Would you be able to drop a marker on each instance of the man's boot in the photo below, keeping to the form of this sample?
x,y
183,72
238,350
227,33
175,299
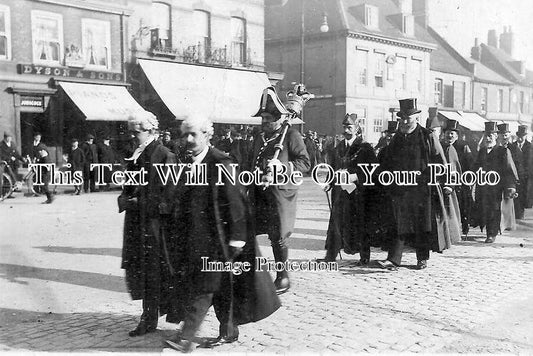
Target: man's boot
x,y
149,319
282,283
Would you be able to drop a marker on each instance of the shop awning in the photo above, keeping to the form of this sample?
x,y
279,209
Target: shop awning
x,y
223,95
451,115
472,121
102,102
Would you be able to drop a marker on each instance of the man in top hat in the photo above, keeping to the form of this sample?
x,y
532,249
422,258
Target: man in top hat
x,y
388,134
451,138
415,207
275,206
90,153
352,220
488,199
521,150
106,154
508,221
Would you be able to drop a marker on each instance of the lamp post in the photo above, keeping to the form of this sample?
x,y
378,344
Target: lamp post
x,y
323,28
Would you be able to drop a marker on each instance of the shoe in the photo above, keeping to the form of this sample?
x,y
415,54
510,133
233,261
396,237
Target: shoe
x,y
282,284
181,345
327,258
362,262
143,328
490,239
48,201
422,264
220,340
388,265
10,197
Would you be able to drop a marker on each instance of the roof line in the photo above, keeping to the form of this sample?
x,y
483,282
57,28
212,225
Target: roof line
x,y
344,19
372,36
449,48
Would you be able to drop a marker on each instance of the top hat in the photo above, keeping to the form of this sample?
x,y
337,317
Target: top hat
x,y
503,128
350,119
522,130
392,126
408,107
452,125
270,103
490,127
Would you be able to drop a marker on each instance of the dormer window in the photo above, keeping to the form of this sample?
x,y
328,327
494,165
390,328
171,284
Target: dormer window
x,y
408,25
371,17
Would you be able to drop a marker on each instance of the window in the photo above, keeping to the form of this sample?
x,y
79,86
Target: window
x,y
408,25
202,31
5,33
96,42
361,64
238,40
380,68
47,36
521,102
417,74
499,100
459,94
378,121
437,89
401,73
371,17
484,97
362,120
161,21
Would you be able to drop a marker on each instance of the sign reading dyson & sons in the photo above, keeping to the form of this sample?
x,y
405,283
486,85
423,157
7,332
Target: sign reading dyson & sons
x,y
67,72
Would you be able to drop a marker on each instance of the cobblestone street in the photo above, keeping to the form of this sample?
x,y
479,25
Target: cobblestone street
x,y
63,289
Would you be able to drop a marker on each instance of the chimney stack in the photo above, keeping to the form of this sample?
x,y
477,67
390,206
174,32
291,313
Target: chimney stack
x,y
507,41
421,12
492,39
475,52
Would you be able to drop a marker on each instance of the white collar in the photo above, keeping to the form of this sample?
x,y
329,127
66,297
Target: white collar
x,y
200,157
140,149
349,142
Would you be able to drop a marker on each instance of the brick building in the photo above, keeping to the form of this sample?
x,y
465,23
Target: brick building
x,y
62,70
198,57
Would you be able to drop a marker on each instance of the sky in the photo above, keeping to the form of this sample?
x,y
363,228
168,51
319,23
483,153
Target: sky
x,y
461,21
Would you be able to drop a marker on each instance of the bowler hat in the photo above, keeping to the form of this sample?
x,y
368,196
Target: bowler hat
x,y
89,136
74,140
392,126
408,107
490,127
270,103
522,130
452,125
503,128
350,119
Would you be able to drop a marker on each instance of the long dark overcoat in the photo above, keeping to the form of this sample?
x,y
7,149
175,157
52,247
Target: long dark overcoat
x,y
144,256
200,234
353,215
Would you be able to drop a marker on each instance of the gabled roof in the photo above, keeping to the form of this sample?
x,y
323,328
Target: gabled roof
x,y
445,58
498,60
283,20
487,75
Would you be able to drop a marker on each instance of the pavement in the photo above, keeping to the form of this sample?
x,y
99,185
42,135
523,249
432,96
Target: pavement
x,y
63,290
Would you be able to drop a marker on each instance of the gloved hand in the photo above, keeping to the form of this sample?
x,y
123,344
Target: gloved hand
x,y
447,190
511,193
234,252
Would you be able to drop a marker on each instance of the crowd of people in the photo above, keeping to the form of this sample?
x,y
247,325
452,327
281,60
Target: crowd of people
x,y
171,230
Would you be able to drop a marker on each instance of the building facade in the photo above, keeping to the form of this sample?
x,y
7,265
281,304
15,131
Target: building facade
x,y
55,57
373,54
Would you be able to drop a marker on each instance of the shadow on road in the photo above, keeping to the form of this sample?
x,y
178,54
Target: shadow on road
x,y
99,251
13,273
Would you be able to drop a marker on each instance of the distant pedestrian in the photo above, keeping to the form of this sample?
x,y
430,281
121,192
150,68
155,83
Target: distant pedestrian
x,y
46,177
106,154
76,159
91,156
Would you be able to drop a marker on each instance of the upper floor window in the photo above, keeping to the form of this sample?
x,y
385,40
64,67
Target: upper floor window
x,y
521,102
380,69
437,89
408,25
378,121
161,21
5,33
417,74
96,38
401,73
202,32
484,98
238,40
459,96
47,36
499,100
371,17
362,120
361,65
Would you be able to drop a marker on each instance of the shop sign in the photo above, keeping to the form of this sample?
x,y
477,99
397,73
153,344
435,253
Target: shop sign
x,y
67,72
32,101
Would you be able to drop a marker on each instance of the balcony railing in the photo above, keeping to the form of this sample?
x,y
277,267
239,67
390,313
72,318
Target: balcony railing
x,y
211,55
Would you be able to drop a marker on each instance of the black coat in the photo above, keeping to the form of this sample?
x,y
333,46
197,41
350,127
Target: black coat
x,y
144,253
206,218
7,153
90,152
106,154
76,158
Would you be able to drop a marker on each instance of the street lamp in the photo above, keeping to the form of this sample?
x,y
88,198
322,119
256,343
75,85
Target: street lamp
x,y
323,28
